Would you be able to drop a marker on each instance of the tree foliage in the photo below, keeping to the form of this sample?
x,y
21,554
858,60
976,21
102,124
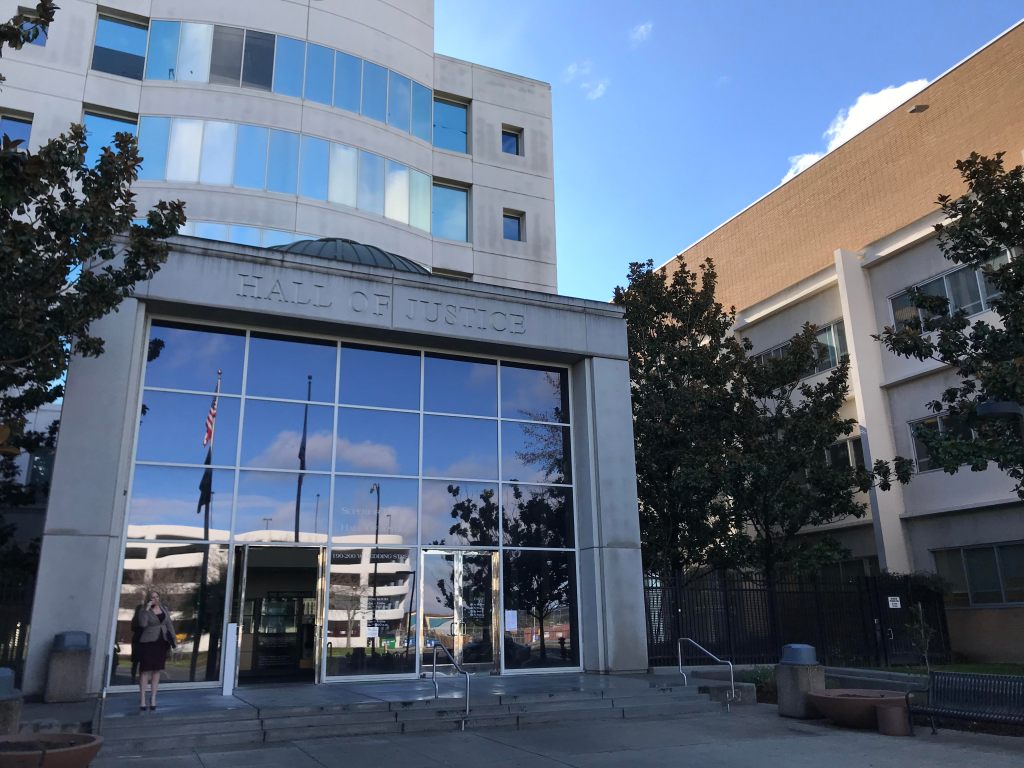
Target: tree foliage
x,y
983,226
25,27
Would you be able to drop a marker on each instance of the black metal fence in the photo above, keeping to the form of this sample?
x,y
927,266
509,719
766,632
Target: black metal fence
x,y
737,616
15,615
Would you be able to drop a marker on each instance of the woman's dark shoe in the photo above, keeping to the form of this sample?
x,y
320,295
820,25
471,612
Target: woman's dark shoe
x,y
142,709
152,707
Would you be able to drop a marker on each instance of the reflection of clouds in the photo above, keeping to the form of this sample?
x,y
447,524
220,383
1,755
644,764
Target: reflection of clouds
x,y
530,394
192,351
283,452
469,467
253,508
146,510
367,455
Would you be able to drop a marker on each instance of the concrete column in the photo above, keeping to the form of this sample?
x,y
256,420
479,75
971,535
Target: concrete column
x,y
866,379
612,614
81,549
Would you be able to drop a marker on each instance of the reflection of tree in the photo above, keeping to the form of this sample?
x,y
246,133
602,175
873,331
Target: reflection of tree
x,y
349,596
536,518
548,447
537,583
474,523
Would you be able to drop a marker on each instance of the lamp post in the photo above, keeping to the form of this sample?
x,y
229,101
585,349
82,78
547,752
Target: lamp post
x,y
316,515
375,489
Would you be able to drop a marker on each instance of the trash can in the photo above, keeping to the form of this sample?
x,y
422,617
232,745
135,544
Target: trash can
x,y
797,673
893,719
67,674
10,703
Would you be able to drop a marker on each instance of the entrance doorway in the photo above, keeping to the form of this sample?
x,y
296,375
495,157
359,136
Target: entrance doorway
x,y
277,605
460,609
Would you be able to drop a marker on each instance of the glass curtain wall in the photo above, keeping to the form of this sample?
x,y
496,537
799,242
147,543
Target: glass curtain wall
x,y
373,452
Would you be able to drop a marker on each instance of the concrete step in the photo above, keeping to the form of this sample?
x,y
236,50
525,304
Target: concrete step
x,y
644,711
124,747
266,713
160,727
327,730
169,717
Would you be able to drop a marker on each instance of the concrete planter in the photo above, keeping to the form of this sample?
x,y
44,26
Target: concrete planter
x,y
49,750
855,707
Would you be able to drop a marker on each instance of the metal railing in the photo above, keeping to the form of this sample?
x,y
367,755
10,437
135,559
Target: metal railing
x,y
458,668
731,696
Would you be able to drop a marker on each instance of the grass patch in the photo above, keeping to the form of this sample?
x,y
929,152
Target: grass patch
x,y
984,669
763,679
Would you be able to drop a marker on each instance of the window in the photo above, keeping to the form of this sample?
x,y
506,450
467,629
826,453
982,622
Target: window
x,y
370,194
375,91
832,338
99,132
251,157
348,77
512,141
120,48
183,151
450,126
419,200
422,103
847,453
512,225
283,162
289,64
982,576
226,60
941,424
162,58
32,23
449,217
194,49
341,186
218,154
319,74
396,192
154,135
967,289
258,60
314,169
16,129
399,101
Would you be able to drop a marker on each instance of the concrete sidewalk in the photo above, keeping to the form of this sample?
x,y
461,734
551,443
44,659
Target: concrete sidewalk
x,y
749,737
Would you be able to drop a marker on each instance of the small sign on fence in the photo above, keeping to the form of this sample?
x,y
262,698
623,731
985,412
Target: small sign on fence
x,y
894,602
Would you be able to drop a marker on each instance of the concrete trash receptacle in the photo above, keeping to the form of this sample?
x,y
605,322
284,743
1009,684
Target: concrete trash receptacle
x,y
67,674
797,673
10,703
893,719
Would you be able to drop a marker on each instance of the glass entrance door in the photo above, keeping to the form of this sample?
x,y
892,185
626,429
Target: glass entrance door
x,y
460,605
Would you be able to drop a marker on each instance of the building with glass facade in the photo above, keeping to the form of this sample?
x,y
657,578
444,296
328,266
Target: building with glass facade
x,y
349,424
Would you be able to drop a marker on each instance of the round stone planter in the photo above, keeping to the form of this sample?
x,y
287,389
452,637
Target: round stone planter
x,y
49,750
855,707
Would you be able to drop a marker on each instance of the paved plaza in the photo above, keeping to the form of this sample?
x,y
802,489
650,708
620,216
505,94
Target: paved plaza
x,y
749,737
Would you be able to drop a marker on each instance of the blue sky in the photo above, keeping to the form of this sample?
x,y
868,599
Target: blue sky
x,y
671,116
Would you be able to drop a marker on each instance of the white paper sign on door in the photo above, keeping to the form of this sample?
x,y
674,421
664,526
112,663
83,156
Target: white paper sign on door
x,y
511,621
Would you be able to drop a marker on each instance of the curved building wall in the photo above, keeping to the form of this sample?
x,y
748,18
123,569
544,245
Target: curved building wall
x,y
91,69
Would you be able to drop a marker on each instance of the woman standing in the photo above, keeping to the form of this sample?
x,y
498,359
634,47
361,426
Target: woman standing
x,y
156,638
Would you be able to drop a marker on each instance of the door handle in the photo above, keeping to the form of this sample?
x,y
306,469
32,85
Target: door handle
x,y
891,635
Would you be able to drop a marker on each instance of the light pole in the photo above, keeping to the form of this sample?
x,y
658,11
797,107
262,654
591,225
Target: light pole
x,y
375,489
266,523
316,515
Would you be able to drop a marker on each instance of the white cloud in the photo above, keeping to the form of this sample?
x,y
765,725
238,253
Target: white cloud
x,y
595,89
849,121
580,68
376,457
640,32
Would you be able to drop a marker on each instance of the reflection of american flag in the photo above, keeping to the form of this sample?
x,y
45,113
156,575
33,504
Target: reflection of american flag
x,y
211,417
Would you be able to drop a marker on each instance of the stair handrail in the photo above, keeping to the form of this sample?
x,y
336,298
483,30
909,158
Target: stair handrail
x,y
709,654
458,668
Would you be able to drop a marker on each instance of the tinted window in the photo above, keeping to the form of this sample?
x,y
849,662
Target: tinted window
x,y
183,151
258,61
1011,565
314,168
356,516
173,425
536,394
194,52
454,385
319,73
186,357
983,575
396,192
460,513
512,227
964,290
371,183
271,504
120,48
375,91
211,230
272,433
342,185
450,130
226,61
251,157
16,130
283,165
950,567
422,102
289,63
384,442
537,516
99,132
510,142
399,101
540,589
377,377
460,448
218,153
154,134
348,75
535,453
449,214
279,367
244,235
164,501
162,60
419,200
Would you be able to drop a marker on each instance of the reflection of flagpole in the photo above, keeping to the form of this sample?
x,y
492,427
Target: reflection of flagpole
x,y
302,453
375,488
205,501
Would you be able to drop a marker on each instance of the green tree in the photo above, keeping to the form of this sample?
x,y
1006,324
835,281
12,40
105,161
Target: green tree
x,y
984,226
69,254
683,362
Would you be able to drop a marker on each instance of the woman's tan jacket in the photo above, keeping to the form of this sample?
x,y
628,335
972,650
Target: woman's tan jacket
x,y
151,628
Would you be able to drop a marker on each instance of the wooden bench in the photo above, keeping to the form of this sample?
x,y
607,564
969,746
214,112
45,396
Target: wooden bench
x,y
971,696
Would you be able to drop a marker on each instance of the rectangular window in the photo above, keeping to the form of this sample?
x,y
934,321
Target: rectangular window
x,y
154,135
949,565
903,310
258,60
289,63
218,155
251,157
968,289
194,52
399,101
41,33
983,576
512,225
283,162
512,141
314,169
419,200
162,59
422,107
451,126
348,77
450,213
989,289
924,459
847,453
371,183
375,91
183,151
396,192
1011,566
342,179
964,292
226,59
99,133
319,73
16,129
120,48
244,235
